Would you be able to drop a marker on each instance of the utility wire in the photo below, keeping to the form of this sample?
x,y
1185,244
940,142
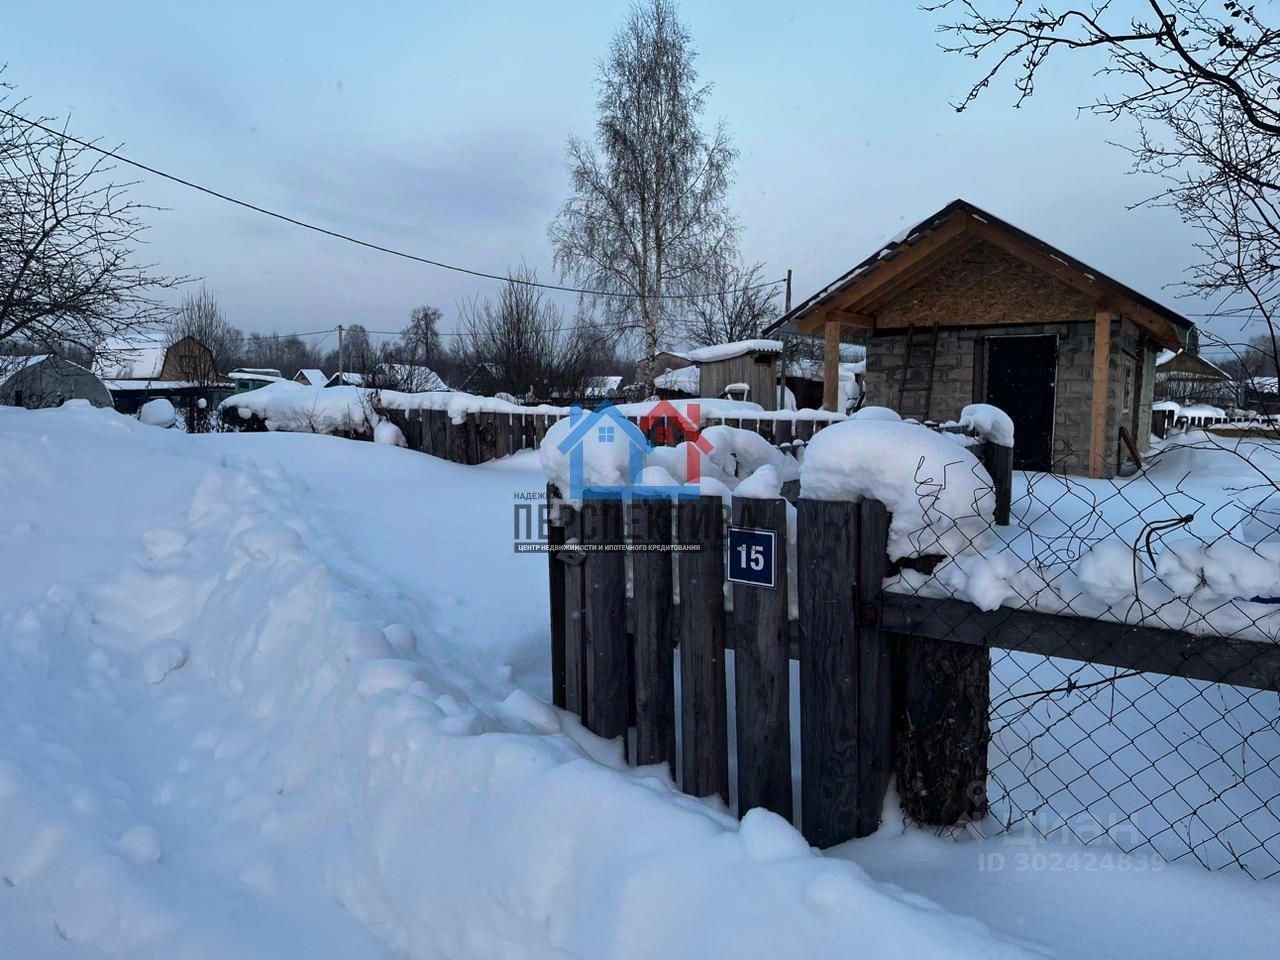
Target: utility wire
x,y
114,155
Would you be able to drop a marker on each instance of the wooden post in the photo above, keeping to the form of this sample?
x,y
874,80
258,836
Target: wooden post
x,y
556,574
875,670
652,601
762,671
605,618
831,366
1098,438
502,438
998,460
486,437
705,751
575,698
943,730
827,560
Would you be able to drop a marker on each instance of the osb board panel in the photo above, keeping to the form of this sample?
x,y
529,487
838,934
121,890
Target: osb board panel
x,y
985,285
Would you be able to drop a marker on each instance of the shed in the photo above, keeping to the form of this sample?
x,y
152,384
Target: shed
x,y
311,377
47,380
964,307
135,371
744,370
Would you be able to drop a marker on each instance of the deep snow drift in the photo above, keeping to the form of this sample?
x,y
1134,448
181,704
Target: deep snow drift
x,y
261,696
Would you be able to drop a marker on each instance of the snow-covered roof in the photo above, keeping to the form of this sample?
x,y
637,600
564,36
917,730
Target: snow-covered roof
x,y
1181,363
1202,410
258,376
124,359
1161,406
1264,384
978,220
727,351
311,377
413,377
685,380
268,371
346,380
11,365
601,386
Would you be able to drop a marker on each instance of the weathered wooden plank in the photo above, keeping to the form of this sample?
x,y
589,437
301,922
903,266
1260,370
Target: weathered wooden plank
x,y
575,697
486,437
1241,662
827,558
762,672
605,619
502,435
556,574
705,753
875,670
652,603
944,730
440,434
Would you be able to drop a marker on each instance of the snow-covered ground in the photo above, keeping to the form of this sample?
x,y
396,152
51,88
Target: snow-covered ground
x,y
272,695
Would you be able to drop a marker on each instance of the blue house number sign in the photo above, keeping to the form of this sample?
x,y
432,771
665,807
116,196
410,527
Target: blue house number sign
x,y
753,556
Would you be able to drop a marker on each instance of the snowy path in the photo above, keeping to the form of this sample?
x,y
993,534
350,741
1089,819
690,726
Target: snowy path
x,y
258,699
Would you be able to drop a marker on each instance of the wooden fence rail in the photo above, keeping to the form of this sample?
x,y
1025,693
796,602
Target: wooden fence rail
x,y
889,685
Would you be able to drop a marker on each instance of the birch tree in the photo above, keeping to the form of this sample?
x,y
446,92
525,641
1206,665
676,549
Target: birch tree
x,y
647,220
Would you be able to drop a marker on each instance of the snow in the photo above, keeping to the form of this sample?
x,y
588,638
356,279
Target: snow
x,y
129,359
988,422
311,377
763,484
876,413
388,432
1202,411
941,498
684,380
738,348
158,413
349,754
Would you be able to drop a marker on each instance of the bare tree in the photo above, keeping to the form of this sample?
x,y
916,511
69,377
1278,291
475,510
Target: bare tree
x,y
522,344
1201,80
647,218
736,307
200,317
68,241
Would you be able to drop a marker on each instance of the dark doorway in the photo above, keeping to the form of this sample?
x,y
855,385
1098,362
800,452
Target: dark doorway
x,y
1021,372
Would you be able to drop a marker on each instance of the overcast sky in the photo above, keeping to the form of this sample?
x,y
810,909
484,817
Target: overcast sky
x,y
439,128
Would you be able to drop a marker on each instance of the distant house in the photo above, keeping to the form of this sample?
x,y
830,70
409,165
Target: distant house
x,y
678,383
408,378
341,379
47,380
311,377
135,371
1186,377
964,307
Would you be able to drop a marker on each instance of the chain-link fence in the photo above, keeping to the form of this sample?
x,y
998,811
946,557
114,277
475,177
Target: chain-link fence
x,y
1133,628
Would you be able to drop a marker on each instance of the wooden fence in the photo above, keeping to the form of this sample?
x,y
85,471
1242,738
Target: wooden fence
x,y
888,684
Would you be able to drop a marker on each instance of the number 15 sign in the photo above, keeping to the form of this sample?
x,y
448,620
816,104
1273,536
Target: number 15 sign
x,y
753,556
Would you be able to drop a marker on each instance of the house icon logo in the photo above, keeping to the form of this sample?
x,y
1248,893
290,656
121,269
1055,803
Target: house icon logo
x,y
609,425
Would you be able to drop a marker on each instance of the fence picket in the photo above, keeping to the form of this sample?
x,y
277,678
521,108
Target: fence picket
x,y
705,752
556,574
605,619
574,621
827,559
762,672
652,595
874,701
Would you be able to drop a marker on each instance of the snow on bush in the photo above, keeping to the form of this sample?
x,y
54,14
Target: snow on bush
x,y
158,413
876,413
942,499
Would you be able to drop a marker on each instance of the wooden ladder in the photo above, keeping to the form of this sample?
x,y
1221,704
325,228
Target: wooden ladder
x,y
927,388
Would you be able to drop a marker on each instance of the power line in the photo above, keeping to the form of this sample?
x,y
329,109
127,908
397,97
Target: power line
x,y
114,155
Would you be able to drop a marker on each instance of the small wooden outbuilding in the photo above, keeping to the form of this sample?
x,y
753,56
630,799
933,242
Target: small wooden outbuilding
x,y
965,307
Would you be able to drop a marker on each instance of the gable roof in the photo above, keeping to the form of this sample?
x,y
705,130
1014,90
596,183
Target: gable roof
x,y
727,351
121,358
311,377
910,255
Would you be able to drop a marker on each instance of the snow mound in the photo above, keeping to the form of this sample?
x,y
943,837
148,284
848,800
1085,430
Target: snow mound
x,y
942,499
388,433
988,422
876,413
158,413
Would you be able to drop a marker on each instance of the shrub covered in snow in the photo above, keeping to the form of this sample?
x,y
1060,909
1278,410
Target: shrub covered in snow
x,y
158,413
942,499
